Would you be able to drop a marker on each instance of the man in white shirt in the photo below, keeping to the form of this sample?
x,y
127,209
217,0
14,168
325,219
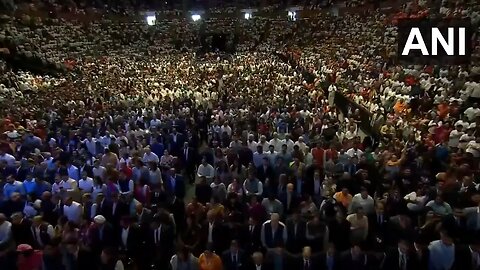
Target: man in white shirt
x,y
149,156
272,155
277,143
226,128
301,144
98,170
473,147
354,151
363,200
263,143
69,184
472,112
206,170
91,144
72,210
289,143
251,143
454,136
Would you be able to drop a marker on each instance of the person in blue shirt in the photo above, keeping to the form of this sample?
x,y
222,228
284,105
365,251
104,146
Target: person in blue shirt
x,y
157,146
12,186
73,172
29,184
40,187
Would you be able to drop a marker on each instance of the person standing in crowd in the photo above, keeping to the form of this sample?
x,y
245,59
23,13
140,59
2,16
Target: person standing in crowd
x,y
100,139
28,258
208,260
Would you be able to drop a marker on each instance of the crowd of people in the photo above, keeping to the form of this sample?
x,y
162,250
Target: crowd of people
x,y
144,153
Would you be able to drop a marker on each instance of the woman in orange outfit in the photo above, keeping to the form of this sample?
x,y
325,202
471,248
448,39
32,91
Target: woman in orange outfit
x,y
209,261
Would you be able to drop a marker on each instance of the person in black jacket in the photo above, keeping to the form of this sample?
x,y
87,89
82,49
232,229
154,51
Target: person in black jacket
x,y
234,258
77,258
328,260
189,159
160,241
21,229
203,191
296,233
130,241
101,234
353,259
400,258
339,232
468,256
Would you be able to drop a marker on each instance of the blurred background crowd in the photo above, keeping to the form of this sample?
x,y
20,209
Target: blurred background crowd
x,y
270,143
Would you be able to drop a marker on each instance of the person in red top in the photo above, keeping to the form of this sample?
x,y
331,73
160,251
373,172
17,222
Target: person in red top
x,y
28,258
331,153
124,168
318,154
442,132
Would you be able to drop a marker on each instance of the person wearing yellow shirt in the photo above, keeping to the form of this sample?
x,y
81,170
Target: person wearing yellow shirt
x,y
208,260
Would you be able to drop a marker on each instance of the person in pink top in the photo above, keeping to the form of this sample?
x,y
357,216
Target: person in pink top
x,y
28,258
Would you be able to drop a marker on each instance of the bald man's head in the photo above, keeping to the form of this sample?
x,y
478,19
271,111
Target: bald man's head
x,y
307,252
257,258
274,217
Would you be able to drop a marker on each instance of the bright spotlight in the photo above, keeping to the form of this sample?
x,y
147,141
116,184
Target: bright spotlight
x,y
248,16
196,17
292,15
151,20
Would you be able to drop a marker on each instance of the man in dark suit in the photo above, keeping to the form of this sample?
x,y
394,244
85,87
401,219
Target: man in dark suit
x,y
160,241
296,233
468,256
353,259
252,237
273,232
308,261
421,252
377,225
174,184
101,235
113,210
279,258
400,258
258,263
144,216
265,171
214,233
130,240
177,207
289,199
77,258
234,258
22,229
189,160
175,142
328,260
